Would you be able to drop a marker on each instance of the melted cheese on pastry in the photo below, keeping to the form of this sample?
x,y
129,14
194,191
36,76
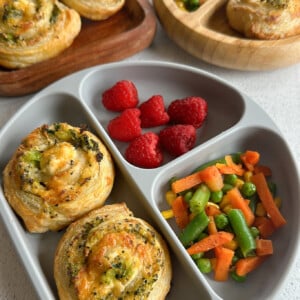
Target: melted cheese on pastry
x,y
110,254
35,30
58,173
95,9
265,19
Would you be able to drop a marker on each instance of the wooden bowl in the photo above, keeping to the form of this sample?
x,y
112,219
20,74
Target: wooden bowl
x,y
127,32
206,34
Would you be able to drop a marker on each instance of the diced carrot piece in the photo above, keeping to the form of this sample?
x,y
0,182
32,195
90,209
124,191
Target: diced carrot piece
x,y
212,210
230,167
187,182
212,177
248,264
267,200
237,201
262,169
264,247
224,260
250,159
210,242
180,210
265,226
211,227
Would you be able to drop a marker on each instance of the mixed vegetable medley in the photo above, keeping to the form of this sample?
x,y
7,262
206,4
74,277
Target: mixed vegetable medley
x,y
226,211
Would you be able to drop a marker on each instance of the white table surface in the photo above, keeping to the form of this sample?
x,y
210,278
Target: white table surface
x,y
277,92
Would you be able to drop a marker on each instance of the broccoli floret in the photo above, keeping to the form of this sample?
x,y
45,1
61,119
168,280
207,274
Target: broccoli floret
x,y
277,3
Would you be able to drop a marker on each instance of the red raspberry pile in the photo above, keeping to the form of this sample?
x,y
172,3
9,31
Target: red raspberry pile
x,y
181,120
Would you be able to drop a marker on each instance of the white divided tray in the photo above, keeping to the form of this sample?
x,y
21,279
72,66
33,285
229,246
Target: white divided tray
x,y
235,123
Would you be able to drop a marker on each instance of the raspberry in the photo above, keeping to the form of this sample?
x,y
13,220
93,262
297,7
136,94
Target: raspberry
x,y
153,112
190,110
178,139
126,126
120,96
144,151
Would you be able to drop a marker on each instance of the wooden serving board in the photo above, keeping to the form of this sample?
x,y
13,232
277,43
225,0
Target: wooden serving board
x,y
206,34
129,31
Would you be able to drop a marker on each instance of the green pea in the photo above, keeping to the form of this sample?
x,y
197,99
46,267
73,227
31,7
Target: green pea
x,y
248,189
192,5
230,179
197,255
227,187
254,231
221,221
216,196
204,265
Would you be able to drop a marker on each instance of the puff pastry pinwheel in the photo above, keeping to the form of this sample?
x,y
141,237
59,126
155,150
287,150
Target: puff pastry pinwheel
x,y
32,31
110,254
57,174
96,9
265,19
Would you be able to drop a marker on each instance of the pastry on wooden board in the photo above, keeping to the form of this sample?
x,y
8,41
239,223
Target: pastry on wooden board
x,y
265,19
57,174
96,9
34,31
111,254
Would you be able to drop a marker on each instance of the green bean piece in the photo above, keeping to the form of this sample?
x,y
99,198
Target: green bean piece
x,y
216,196
273,188
237,277
171,180
221,221
202,236
230,179
253,202
199,199
248,189
204,265
236,157
193,230
188,196
242,231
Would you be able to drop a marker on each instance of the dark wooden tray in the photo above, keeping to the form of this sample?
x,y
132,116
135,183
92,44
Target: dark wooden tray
x,y
129,31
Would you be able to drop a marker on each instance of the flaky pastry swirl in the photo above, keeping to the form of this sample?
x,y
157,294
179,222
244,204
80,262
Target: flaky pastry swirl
x,y
96,9
57,174
32,31
110,254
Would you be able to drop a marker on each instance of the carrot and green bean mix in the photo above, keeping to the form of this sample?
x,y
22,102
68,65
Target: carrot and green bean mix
x,y
226,211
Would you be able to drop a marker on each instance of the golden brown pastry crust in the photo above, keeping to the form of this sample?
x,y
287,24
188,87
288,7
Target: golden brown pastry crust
x,y
33,31
57,174
95,9
110,254
263,20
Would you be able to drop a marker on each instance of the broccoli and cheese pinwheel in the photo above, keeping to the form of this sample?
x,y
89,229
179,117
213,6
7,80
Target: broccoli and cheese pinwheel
x,y
32,31
96,9
265,19
110,254
57,174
